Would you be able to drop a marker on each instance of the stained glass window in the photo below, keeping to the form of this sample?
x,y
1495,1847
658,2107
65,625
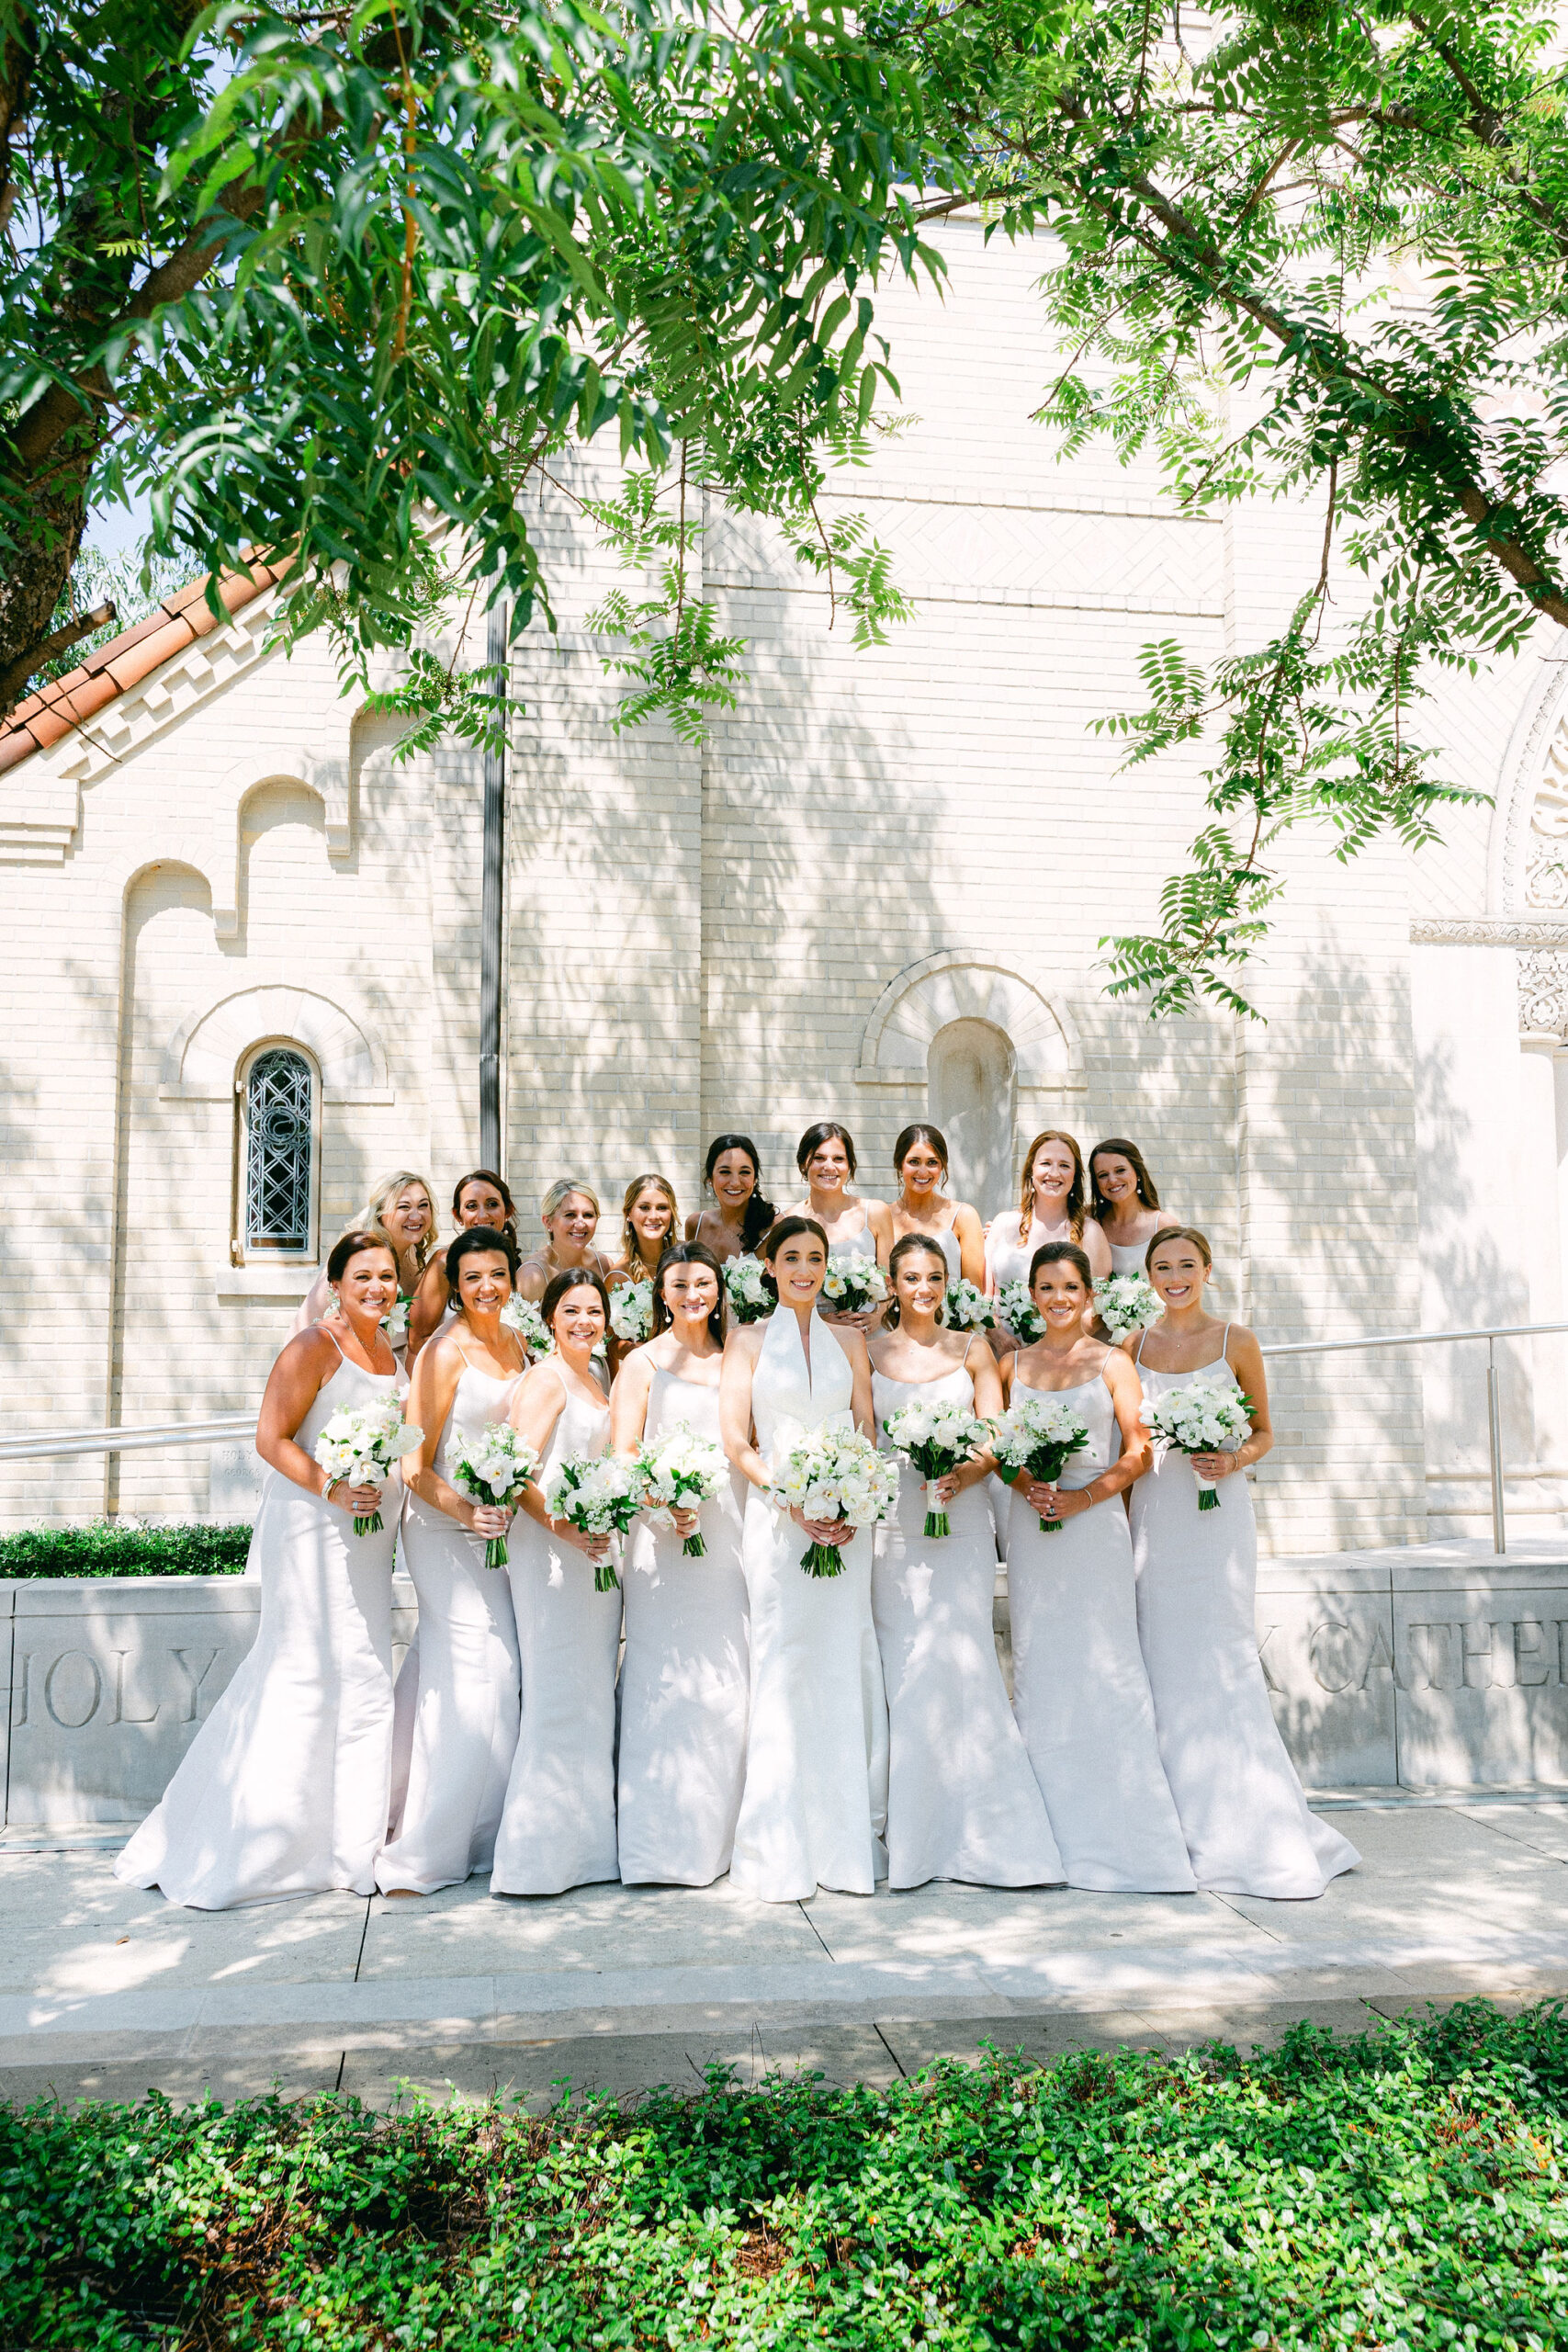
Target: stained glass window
x,y
278,1141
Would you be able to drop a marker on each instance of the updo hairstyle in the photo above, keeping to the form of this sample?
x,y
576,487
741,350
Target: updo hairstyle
x,y
1180,1233
783,1230
814,1137
349,1245
906,1247
921,1131
760,1214
571,1278
1063,1253
476,1239
486,1176
687,1253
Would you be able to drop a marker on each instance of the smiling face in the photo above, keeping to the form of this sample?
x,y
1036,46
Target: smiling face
x,y
690,1291
484,1282
1060,1295
481,1204
1178,1271
1052,1175
734,1179
652,1215
1115,1178
410,1218
828,1170
919,1283
921,1170
572,1227
578,1323
368,1284
798,1267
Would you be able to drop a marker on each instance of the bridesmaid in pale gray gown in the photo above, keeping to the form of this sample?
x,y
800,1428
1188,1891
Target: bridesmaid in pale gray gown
x,y
558,1827
684,1674
1079,1684
1248,1825
1125,1202
856,1227
920,1162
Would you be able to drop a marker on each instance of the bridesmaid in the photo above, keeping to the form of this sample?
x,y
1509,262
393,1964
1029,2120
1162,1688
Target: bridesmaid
x,y
1247,1825
478,1198
815,1802
1079,1684
648,1215
683,1680
402,1207
962,1801
558,1827
1124,1202
920,1162
464,1728
569,1214
854,1227
1052,1209
739,1215
284,1788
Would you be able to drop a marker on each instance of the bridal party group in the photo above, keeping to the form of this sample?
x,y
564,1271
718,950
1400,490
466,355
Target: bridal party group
x,y
779,1663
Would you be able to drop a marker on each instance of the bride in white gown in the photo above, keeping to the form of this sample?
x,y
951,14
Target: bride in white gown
x,y
815,1802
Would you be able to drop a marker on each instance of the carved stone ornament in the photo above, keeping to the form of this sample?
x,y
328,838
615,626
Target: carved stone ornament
x,y
1543,993
1546,857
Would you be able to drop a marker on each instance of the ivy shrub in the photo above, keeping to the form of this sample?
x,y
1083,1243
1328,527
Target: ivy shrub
x,y
1402,2190
105,1548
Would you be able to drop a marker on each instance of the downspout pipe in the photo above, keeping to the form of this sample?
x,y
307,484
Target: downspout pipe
x,y
492,912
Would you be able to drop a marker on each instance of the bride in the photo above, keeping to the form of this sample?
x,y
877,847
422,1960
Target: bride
x,y
814,1801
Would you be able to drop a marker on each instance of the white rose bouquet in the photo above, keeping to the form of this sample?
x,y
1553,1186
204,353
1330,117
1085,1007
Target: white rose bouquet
x,y
1126,1303
747,1295
966,1308
631,1310
936,1438
681,1471
1199,1419
493,1465
853,1286
360,1443
1038,1436
836,1474
598,1495
522,1316
1019,1313
396,1323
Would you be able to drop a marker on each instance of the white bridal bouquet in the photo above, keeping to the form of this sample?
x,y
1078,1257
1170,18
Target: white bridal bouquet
x,y
1199,1419
1019,1313
493,1465
598,1495
966,1308
936,1438
1126,1303
631,1310
396,1323
521,1315
1038,1435
679,1471
749,1295
360,1443
853,1286
836,1474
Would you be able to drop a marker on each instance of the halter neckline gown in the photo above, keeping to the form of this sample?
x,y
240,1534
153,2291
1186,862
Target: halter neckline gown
x,y
286,1787
464,1677
684,1678
961,1800
1248,1825
815,1802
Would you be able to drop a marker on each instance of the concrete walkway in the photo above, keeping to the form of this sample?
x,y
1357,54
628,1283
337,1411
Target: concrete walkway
x,y
106,1993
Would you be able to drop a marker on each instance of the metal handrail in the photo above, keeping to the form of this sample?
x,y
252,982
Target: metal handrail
x,y
1491,1333
36,1446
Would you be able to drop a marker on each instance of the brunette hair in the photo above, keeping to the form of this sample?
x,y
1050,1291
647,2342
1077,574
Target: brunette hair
x,y
349,1245
571,1278
487,1176
630,1249
1078,1192
815,1137
920,1132
1098,1206
760,1214
687,1253
474,1238
382,1193
1180,1233
904,1248
559,1191
1063,1253
783,1230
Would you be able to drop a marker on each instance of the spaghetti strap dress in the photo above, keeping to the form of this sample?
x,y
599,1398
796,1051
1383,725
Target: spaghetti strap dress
x,y
1248,1825
557,1823
284,1789
1080,1686
464,1730
685,1673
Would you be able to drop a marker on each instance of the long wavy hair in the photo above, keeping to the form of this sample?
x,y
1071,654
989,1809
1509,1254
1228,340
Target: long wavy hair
x,y
760,1212
1098,1206
1078,1193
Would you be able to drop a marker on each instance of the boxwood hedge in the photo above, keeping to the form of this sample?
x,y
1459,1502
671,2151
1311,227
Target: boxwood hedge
x,y
103,1548
1399,2191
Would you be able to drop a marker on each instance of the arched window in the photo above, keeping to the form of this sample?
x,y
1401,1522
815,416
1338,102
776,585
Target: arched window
x,y
278,1152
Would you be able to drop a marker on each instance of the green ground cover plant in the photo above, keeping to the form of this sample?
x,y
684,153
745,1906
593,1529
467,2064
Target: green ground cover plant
x,y
1401,2190
103,1549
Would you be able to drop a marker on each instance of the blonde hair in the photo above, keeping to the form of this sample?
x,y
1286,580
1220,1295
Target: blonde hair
x,y
381,1195
1078,1193
558,1192
630,1250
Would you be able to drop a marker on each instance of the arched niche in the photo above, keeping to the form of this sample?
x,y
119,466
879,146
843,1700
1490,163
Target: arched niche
x,y
960,984
971,1085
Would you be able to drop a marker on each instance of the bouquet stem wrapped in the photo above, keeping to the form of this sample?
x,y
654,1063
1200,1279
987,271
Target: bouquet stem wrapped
x,y
1038,1435
360,1443
679,1472
493,1465
598,1495
936,1438
1201,1418
836,1474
